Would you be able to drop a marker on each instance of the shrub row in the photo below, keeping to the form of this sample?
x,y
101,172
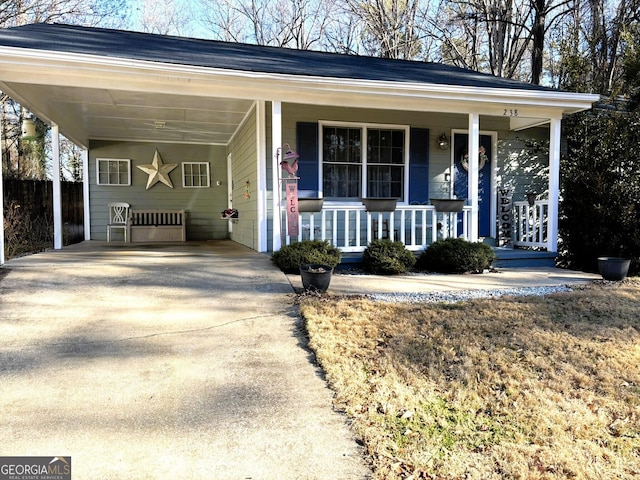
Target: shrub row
x,y
452,255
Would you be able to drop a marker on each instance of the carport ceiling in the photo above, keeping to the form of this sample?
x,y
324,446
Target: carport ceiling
x,y
85,114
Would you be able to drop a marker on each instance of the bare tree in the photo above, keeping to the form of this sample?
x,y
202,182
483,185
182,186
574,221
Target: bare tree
x,y
297,24
165,17
389,27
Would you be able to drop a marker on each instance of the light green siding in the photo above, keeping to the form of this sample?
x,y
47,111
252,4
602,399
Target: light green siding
x,y
202,205
244,161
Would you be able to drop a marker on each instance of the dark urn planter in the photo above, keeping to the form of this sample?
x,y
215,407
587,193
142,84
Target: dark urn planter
x,y
613,268
316,277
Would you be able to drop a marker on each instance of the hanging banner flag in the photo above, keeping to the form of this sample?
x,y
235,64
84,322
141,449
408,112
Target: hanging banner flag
x,y
292,208
505,217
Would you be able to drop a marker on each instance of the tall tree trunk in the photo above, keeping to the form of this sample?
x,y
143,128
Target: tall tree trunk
x,y
537,40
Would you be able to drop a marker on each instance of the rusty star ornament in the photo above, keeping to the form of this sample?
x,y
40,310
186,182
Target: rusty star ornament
x,y
158,171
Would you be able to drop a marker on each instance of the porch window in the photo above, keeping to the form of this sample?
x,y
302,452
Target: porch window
x,y
195,174
113,171
363,161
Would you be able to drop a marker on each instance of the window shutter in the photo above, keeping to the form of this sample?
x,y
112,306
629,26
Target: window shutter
x,y
307,148
419,166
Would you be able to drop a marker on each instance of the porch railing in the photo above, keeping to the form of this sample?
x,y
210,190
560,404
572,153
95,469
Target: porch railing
x,y
352,228
530,224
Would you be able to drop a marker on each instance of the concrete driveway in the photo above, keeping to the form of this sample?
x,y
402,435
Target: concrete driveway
x,y
164,362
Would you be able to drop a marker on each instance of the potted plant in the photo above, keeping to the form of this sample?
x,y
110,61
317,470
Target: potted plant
x,y
316,277
613,268
314,260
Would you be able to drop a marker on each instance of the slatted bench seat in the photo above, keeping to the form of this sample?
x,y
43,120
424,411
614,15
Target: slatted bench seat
x,y
157,226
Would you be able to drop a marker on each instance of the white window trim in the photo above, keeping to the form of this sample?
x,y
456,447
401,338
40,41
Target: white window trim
x,y
184,183
364,127
127,160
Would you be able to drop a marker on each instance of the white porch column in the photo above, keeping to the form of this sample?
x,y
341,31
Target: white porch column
x,y
57,196
262,165
1,200
474,146
276,143
554,184
85,194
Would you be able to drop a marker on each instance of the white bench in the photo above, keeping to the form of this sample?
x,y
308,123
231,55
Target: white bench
x,y
157,226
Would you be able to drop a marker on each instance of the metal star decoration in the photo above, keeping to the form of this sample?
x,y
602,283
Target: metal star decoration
x,y
158,171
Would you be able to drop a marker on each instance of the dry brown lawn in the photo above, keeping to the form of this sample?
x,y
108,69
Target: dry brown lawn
x,y
511,388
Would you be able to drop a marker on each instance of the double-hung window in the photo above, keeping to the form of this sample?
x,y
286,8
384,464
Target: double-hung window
x,y
363,161
195,174
113,171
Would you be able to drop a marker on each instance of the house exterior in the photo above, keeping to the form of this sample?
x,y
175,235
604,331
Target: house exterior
x,y
216,120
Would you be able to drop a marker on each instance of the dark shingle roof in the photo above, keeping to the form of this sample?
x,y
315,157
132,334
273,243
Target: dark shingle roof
x,y
243,57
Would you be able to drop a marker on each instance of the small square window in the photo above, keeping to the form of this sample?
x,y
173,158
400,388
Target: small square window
x,y
195,174
113,171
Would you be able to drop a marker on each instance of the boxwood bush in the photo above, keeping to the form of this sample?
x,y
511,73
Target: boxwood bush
x,y
455,255
387,258
290,257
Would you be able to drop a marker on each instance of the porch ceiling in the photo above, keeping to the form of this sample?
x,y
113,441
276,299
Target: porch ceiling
x,y
84,113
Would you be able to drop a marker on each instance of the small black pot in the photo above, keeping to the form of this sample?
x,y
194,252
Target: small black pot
x,y
316,277
613,268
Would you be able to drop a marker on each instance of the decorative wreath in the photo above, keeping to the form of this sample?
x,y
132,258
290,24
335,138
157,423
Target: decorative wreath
x,y
482,159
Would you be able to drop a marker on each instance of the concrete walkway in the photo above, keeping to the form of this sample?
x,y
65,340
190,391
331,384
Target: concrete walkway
x,y
164,362
422,283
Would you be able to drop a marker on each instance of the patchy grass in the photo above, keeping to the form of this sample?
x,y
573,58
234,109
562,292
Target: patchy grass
x,y
520,388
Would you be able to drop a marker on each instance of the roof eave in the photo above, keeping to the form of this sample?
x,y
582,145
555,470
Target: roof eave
x,y
82,70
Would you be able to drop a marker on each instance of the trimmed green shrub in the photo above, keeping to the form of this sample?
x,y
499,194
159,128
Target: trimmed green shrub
x,y
387,258
290,257
455,255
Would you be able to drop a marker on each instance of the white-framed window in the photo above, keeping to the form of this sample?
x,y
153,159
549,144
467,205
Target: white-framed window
x,y
113,171
363,160
195,175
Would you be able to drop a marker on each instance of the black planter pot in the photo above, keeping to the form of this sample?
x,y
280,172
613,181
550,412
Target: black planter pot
x,y
613,268
316,277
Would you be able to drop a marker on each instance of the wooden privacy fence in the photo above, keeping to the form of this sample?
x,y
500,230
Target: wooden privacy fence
x,y
35,198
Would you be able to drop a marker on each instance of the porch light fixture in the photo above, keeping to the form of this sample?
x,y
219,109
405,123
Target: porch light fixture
x,y
28,129
443,142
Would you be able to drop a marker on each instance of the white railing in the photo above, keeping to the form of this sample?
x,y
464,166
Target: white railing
x,y
530,224
351,227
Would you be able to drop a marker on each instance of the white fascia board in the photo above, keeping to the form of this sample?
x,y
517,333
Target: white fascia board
x,y
67,69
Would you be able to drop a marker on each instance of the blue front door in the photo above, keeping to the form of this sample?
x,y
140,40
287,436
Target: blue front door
x,y
461,178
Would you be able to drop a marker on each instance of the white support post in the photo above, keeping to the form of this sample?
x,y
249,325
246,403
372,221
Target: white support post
x,y
474,147
261,139
57,195
1,198
85,194
276,143
554,184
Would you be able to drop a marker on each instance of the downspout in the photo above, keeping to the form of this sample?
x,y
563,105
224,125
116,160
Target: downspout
x,y
57,196
554,184
85,194
276,142
474,147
